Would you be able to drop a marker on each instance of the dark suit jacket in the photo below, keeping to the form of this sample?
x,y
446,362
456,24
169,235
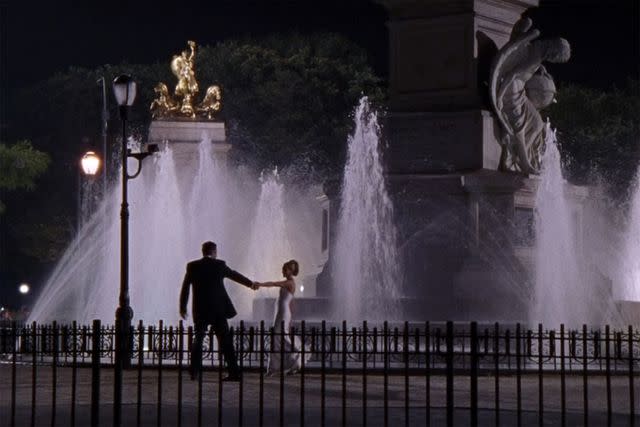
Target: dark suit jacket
x,y
210,299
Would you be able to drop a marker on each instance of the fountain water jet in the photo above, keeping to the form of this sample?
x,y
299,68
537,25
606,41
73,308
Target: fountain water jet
x,y
157,237
560,292
83,285
630,282
366,264
269,246
207,212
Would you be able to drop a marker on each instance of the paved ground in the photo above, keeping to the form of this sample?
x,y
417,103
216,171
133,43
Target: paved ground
x,y
249,394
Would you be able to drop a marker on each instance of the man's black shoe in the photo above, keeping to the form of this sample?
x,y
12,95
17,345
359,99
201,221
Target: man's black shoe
x,y
232,378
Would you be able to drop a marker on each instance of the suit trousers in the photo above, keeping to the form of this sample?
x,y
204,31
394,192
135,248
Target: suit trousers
x,y
221,329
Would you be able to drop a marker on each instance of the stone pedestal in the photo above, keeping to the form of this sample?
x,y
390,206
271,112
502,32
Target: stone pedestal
x,y
466,230
184,138
467,243
185,135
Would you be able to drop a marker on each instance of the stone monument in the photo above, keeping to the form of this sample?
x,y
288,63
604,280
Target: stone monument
x,y
465,136
182,122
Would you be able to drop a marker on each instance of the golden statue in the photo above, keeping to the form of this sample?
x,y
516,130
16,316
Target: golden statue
x,y
181,104
164,104
211,103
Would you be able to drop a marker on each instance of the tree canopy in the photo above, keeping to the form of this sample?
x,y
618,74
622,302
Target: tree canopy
x,y
285,99
599,134
20,164
290,100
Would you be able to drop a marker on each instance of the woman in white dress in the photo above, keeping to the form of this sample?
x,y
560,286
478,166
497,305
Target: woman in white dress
x,y
292,360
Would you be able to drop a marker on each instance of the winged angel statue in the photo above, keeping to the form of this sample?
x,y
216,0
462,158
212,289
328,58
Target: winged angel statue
x,y
519,87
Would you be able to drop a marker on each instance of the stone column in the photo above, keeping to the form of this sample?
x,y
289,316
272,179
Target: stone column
x,y
455,211
440,55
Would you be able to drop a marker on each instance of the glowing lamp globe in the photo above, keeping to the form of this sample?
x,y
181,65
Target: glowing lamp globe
x,y
124,88
23,288
90,163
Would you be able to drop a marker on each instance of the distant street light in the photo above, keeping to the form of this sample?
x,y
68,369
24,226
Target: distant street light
x,y
90,163
24,288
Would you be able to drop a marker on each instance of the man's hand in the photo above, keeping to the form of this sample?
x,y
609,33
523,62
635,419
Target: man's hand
x,y
183,314
255,286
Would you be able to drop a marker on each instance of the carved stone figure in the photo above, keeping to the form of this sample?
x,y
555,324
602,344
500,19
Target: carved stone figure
x,y
519,87
181,105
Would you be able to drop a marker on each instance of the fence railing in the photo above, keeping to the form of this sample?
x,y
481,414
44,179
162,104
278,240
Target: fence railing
x,y
597,350
407,359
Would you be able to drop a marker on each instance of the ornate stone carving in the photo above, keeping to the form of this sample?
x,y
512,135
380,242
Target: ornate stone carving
x,y
519,87
181,104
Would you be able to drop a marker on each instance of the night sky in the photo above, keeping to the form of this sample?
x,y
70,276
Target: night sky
x,y
52,36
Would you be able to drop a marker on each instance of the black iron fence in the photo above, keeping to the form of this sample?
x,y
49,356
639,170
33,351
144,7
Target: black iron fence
x,y
427,374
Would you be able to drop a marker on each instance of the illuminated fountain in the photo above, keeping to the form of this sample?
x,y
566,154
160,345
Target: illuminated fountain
x,y
488,230
482,225
168,224
186,195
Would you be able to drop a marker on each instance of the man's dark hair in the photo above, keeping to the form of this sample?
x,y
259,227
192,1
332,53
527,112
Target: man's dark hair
x,y
208,248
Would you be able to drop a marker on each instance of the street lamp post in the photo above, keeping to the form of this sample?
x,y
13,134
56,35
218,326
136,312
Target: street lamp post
x,y
125,91
105,126
124,88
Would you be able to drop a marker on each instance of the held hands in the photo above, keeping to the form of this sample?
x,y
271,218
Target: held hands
x,y
255,286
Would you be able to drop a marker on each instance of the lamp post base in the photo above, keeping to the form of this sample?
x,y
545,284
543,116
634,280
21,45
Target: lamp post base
x,y
124,337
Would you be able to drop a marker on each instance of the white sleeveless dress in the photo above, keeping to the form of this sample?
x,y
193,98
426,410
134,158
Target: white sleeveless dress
x,y
292,360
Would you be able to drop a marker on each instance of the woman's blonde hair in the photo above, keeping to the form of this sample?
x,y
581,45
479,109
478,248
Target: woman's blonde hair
x,y
293,265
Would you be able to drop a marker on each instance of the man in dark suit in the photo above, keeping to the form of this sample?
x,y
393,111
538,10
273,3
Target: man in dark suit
x,y
211,305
